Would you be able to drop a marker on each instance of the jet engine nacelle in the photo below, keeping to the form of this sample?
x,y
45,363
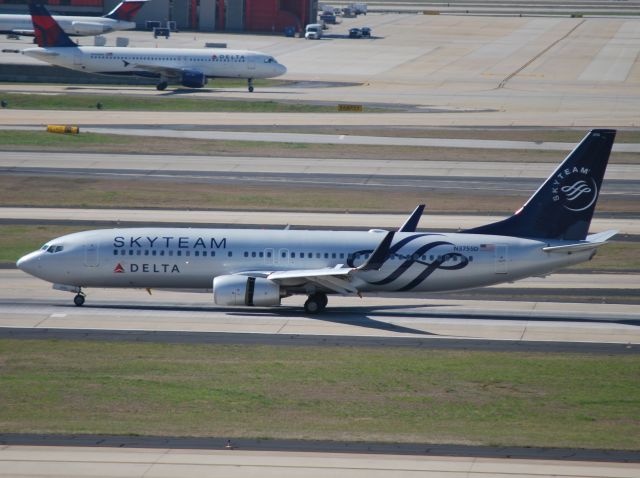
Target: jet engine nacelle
x,y
193,79
87,28
242,290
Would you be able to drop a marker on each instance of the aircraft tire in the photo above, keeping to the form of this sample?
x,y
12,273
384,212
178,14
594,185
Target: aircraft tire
x,y
162,86
251,89
323,299
78,300
315,304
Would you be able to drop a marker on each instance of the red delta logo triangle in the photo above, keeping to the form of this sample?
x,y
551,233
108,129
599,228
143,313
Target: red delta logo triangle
x,y
119,268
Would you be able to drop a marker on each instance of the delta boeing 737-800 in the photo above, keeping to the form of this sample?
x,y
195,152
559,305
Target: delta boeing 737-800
x,y
188,67
120,18
245,267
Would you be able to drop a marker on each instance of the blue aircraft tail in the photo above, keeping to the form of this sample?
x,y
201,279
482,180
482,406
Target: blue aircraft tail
x,y
47,31
563,206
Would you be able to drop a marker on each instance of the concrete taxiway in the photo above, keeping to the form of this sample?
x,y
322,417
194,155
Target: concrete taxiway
x,y
270,219
451,70
26,302
27,461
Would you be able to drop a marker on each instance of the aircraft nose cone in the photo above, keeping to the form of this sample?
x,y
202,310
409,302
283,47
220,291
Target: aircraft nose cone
x,y
27,263
281,70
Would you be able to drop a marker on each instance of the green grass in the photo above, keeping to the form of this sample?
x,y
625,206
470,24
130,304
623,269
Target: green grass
x,y
42,140
319,393
18,240
78,101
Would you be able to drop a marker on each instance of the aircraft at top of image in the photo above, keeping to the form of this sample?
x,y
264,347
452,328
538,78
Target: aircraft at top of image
x,y
120,18
187,67
248,267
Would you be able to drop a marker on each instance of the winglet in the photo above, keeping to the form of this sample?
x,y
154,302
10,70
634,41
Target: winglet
x,y
411,224
380,255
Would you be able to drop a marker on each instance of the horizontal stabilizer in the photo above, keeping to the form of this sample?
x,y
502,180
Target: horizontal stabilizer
x,y
602,236
593,241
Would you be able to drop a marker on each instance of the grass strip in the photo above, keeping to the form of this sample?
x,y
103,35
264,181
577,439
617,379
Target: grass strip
x,y
60,191
120,102
42,141
17,240
304,392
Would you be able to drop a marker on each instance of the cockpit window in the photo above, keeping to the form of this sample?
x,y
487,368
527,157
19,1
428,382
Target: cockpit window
x,y
270,60
45,247
53,248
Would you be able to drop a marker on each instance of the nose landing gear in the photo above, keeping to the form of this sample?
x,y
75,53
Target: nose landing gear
x,y
250,84
79,299
162,86
316,303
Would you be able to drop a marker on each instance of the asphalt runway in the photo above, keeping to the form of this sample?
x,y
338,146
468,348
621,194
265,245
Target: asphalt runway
x,y
457,176
26,302
185,164
364,181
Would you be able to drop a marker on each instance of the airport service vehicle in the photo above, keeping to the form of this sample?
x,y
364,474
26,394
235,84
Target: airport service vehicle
x,y
188,67
364,32
313,31
359,8
248,267
120,18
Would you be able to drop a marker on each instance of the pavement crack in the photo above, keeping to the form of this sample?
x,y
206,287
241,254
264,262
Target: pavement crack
x,y
511,75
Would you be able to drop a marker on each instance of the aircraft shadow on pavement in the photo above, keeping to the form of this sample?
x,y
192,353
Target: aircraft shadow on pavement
x,y
345,316
357,315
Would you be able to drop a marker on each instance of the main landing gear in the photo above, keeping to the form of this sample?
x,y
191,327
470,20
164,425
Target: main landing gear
x,y
250,85
162,86
79,298
316,303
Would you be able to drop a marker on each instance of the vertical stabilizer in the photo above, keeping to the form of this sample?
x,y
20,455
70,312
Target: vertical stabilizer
x,y
47,31
126,10
563,206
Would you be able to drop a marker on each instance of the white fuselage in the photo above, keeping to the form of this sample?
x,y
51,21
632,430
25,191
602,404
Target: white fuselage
x,y
190,258
72,25
153,62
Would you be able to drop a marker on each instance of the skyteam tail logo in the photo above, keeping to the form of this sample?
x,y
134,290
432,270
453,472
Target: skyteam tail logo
x,y
575,189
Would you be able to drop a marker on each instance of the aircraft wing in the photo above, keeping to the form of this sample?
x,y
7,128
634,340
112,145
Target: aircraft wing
x,y
336,279
26,33
160,70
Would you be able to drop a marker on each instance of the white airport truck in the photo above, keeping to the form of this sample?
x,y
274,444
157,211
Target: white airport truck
x,y
313,31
